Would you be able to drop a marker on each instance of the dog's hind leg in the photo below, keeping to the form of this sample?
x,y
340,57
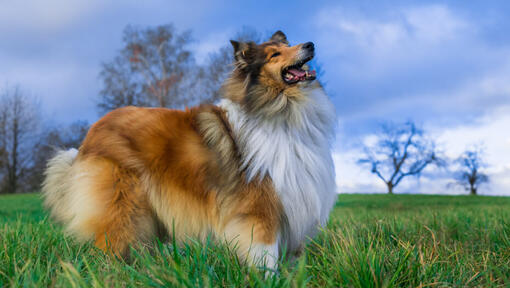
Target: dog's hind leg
x,y
126,218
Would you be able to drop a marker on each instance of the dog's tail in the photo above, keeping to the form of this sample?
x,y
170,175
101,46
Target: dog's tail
x,y
58,184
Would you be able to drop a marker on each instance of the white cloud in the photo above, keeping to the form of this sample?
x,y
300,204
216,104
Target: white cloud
x,y
434,23
367,34
490,129
421,26
351,177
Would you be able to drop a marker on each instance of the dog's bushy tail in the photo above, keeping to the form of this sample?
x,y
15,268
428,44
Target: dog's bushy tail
x,y
57,185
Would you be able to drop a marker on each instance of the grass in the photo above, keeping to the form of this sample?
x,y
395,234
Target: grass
x,y
371,241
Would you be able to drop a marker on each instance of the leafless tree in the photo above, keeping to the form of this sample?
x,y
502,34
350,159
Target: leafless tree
x,y
400,151
3,141
148,70
18,120
470,173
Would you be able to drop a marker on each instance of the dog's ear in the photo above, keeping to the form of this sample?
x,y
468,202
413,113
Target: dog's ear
x,y
245,53
236,45
279,36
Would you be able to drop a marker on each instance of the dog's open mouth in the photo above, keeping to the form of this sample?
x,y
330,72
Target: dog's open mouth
x,y
298,72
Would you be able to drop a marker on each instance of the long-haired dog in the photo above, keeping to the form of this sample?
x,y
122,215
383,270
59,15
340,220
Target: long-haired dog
x,y
255,171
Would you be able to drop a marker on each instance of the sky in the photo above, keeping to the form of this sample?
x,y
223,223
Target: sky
x,y
443,64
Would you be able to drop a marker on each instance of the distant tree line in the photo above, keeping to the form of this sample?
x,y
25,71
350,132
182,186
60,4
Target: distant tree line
x,y
26,142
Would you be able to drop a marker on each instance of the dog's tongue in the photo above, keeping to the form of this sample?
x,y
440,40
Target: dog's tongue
x,y
297,72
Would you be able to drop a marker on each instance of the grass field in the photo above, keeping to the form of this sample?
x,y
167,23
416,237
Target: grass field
x,y
371,241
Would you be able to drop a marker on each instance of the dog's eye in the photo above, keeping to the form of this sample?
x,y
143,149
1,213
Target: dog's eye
x,y
275,54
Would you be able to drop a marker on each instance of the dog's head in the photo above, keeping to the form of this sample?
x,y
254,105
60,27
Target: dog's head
x,y
270,73
275,61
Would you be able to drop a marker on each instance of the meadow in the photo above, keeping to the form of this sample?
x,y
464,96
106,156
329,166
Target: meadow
x,y
371,241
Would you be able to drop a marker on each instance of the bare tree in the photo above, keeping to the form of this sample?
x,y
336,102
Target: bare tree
x,y
18,114
470,174
148,70
3,141
400,151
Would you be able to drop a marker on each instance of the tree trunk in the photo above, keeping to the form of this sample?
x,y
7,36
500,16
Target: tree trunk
x,y
390,187
13,170
472,190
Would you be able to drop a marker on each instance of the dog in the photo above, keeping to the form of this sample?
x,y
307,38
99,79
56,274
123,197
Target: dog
x,y
255,170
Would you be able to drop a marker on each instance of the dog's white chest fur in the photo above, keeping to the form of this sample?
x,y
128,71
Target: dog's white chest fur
x,y
295,153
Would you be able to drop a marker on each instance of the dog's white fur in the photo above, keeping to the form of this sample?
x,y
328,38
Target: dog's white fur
x,y
56,186
66,191
295,152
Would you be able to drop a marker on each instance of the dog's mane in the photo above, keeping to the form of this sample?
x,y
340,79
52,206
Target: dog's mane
x,y
293,149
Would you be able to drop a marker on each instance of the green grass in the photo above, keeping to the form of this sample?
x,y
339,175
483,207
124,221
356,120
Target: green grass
x,y
371,241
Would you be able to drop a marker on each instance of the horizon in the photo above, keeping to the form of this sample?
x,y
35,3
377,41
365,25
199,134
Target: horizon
x,y
444,65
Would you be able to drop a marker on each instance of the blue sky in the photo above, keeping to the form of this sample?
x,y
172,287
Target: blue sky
x,y
443,64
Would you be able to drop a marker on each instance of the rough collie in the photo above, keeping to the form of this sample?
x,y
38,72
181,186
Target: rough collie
x,y
255,171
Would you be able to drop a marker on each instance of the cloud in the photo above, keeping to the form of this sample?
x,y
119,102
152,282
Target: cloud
x,y
381,38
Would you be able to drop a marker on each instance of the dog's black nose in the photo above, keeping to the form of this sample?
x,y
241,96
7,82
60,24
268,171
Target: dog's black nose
x,y
308,46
